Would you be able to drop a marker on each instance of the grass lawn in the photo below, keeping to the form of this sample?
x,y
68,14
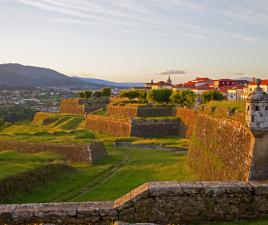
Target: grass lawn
x,y
12,162
114,176
228,104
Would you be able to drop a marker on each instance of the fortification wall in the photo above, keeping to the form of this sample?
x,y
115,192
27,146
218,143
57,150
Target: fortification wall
x,y
188,121
72,106
155,202
220,149
162,128
126,127
131,111
109,124
72,152
13,186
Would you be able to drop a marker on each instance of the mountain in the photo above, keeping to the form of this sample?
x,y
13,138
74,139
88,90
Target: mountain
x,y
29,76
110,83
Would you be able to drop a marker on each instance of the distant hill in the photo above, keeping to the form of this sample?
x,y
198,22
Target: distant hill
x,y
110,83
30,76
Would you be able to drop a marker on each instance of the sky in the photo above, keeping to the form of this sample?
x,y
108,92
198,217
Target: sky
x,y
137,40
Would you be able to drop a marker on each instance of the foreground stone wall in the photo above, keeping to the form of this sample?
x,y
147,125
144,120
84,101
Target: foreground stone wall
x,y
220,149
130,111
155,202
73,152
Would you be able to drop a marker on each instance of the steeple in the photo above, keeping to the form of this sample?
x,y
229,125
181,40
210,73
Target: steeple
x,y
169,80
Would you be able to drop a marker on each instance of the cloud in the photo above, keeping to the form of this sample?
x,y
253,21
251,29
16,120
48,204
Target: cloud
x,y
172,72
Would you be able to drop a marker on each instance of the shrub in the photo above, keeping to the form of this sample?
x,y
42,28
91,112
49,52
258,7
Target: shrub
x,y
160,95
88,94
184,98
97,94
142,96
81,94
130,94
211,95
106,92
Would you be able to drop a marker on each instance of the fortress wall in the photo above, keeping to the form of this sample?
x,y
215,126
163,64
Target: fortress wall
x,y
73,152
188,120
109,124
72,106
139,111
162,128
155,202
220,149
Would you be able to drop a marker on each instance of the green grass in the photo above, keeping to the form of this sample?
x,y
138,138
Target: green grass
x,y
117,174
239,106
12,163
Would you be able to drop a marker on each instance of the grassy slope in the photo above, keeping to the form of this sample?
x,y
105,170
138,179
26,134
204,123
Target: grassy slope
x,y
120,172
237,105
12,163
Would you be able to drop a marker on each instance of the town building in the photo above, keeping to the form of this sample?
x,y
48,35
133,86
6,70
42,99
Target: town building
x,y
235,92
257,108
223,82
160,85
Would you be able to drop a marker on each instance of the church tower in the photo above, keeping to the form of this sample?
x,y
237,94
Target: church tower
x,y
257,109
169,80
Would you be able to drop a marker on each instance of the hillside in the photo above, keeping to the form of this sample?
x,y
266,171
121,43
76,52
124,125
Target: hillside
x,y
29,76
110,83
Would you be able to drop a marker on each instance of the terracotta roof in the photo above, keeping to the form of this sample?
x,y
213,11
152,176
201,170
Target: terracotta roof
x,y
202,79
225,88
204,87
263,82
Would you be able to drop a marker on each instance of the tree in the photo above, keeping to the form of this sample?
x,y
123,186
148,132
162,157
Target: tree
x,y
97,94
160,95
106,91
142,96
87,94
81,94
184,98
211,95
130,94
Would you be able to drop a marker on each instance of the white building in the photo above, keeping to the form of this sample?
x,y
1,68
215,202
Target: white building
x,y
257,108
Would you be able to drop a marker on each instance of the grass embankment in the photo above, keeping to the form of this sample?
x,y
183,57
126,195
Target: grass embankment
x,y
115,175
238,106
12,163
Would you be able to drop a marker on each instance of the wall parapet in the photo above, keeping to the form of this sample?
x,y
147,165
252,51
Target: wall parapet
x,y
154,202
88,153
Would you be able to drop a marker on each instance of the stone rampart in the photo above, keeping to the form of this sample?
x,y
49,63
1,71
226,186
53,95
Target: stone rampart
x,y
220,149
130,111
73,152
109,124
125,127
73,106
155,202
187,117
161,128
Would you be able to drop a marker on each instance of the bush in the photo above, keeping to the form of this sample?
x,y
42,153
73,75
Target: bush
x,y
160,95
16,114
142,96
106,92
97,94
88,94
211,95
130,94
184,98
81,94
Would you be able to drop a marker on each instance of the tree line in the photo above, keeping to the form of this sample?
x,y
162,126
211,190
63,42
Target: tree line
x,y
184,97
104,92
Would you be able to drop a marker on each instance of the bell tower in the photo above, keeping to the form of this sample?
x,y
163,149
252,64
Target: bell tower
x,y
257,109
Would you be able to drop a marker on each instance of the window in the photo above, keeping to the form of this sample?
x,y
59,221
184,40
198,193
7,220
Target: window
x,y
257,108
266,108
248,108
